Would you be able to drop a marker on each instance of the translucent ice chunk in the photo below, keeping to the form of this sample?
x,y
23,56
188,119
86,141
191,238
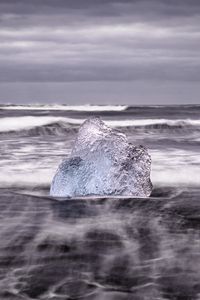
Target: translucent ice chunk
x,y
102,162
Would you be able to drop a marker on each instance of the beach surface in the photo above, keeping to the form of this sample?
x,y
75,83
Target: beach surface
x,y
93,248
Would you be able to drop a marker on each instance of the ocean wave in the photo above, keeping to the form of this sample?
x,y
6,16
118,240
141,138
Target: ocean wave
x,y
57,125
154,123
78,108
13,124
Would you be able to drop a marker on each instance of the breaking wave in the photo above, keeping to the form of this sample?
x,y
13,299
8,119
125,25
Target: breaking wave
x,y
78,108
32,125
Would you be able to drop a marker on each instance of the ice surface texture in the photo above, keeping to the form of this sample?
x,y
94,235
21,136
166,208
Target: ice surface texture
x,y
102,162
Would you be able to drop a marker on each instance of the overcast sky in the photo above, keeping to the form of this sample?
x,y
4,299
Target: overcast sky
x,y
107,51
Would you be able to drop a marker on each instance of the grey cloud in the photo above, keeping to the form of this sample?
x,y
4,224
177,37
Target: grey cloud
x,y
19,11
159,71
46,6
137,92
92,40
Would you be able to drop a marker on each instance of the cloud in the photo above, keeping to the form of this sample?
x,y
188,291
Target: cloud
x,y
92,40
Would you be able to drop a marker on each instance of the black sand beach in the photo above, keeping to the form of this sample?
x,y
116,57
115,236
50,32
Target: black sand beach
x,y
99,248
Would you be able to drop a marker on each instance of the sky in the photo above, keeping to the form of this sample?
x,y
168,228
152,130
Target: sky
x,y
106,52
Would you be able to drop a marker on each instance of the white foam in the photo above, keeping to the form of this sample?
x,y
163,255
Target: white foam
x,y
177,176
84,108
145,122
27,178
27,122
170,167
184,175
175,167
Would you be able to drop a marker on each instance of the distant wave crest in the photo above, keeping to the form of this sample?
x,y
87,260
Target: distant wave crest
x,y
78,108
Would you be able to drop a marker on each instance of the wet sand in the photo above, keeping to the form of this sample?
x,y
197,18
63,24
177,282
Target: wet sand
x,y
96,249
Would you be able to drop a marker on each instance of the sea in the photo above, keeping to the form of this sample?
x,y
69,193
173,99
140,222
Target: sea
x,y
94,248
